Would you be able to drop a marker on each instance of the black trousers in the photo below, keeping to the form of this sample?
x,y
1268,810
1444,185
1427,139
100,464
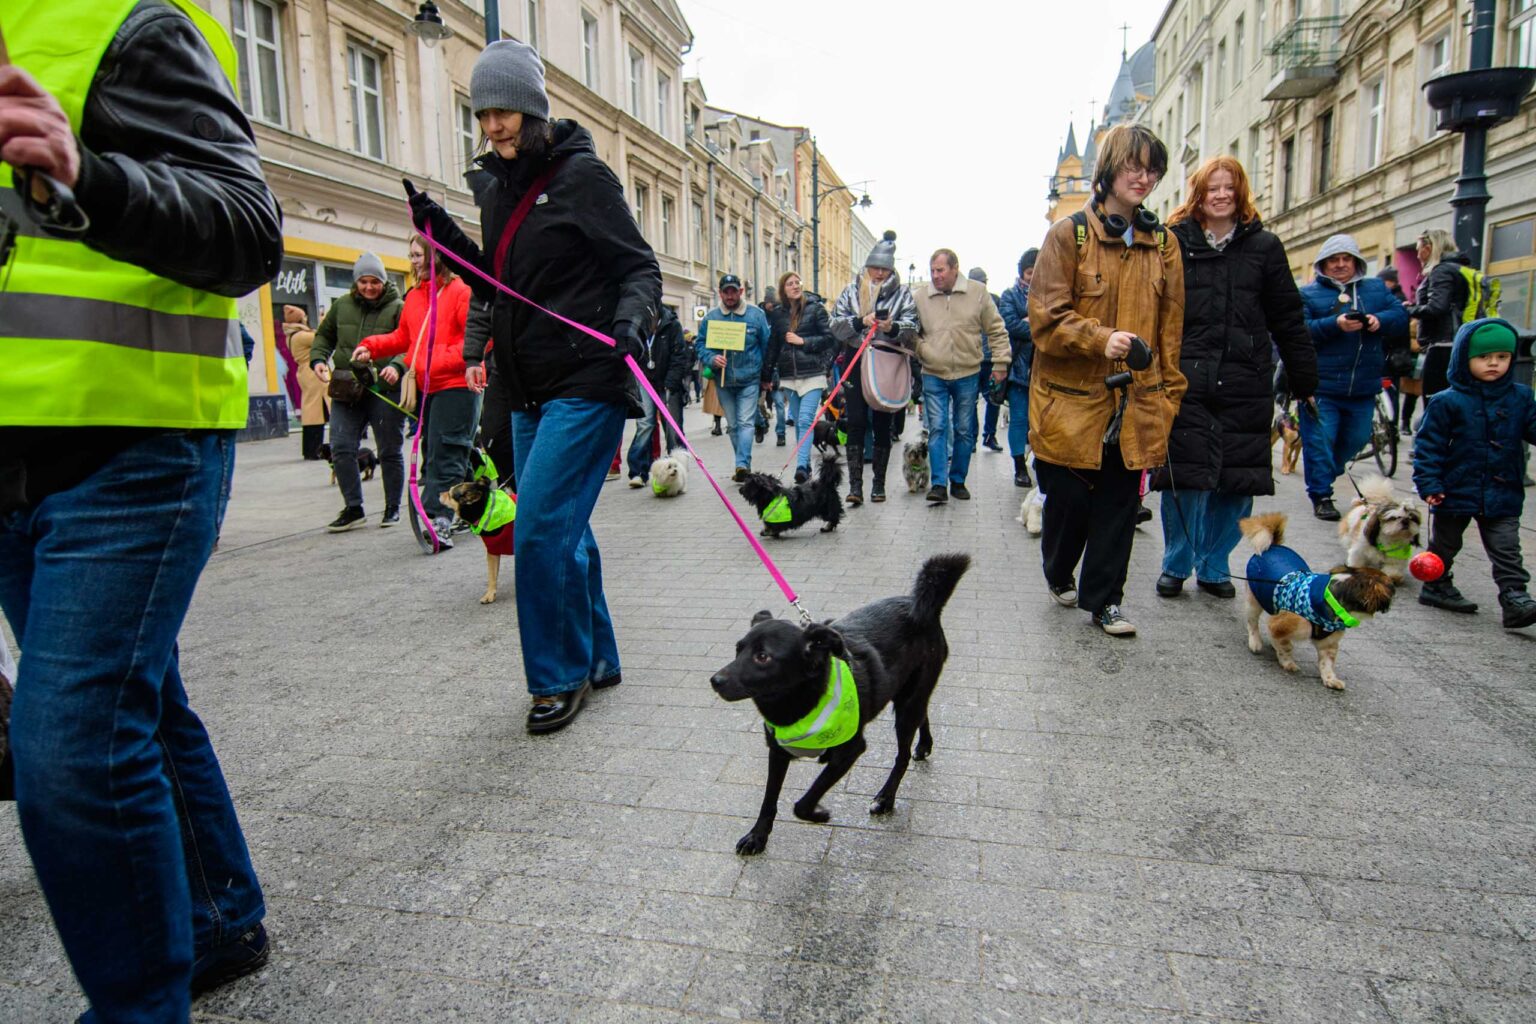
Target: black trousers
x,y
1090,516
861,418
496,423
1501,539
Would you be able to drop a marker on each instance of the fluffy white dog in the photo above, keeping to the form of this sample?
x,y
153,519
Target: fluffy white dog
x,y
669,477
1031,510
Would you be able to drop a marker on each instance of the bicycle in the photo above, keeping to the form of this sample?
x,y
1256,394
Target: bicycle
x,y
1382,445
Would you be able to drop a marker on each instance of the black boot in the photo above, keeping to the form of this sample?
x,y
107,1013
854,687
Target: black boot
x,y
877,489
855,475
309,441
1519,609
1021,471
1442,593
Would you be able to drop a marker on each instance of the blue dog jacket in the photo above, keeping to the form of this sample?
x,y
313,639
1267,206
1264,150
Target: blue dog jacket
x,y
1281,581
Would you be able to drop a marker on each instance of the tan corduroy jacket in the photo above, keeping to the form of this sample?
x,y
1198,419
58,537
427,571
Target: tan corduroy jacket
x,y
1076,300
953,326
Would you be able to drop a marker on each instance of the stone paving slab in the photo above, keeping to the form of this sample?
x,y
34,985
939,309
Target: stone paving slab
x,y
1164,830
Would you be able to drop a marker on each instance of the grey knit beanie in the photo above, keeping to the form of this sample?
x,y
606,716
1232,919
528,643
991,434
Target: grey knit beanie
x,y
884,252
509,75
977,274
368,265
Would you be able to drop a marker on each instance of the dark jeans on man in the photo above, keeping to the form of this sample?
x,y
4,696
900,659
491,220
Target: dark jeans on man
x,y
1501,539
123,806
347,422
1090,515
448,437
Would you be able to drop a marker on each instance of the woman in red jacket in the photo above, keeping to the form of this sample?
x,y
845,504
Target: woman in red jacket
x,y
449,407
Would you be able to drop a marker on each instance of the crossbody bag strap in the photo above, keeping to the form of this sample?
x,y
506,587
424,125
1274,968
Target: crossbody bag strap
x,y
520,214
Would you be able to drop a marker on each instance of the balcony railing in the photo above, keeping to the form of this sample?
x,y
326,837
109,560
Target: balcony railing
x,y
1303,58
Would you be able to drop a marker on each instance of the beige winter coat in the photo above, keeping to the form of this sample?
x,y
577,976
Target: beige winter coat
x,y
953,326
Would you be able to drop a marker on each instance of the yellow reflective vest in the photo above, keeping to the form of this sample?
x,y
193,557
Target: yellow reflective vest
x,y
86,340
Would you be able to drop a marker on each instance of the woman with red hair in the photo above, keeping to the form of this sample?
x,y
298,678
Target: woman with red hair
x,y
1238,297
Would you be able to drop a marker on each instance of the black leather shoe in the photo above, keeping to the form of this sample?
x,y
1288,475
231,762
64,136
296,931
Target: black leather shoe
x,y
1223,589
959,492
1324,509
603,684
557,710
1519,609
1169,586
1445,596
937,495
234,959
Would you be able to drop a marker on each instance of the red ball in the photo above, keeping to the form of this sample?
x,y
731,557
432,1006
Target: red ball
x,y
1427,566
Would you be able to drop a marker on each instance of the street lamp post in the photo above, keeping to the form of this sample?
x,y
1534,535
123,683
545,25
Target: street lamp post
x,y
816,197
429,28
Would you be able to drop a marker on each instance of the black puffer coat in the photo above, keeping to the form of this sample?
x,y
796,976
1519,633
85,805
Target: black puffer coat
x,y
815,329
1235,300
1442,300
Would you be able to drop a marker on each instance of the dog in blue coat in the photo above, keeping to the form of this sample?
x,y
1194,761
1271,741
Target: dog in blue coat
x,y
1323,605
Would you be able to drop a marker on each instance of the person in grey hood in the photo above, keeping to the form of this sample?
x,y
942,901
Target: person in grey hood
x,y
1349,317
877,299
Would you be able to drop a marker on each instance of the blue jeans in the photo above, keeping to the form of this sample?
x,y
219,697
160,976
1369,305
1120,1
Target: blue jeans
x,y
949,414
123,806
1331,438
802,408
781,401
740,402
1200,531
639,457
561,454
1018,418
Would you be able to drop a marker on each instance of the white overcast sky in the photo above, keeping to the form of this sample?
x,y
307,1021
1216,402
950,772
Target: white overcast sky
x,y
956,110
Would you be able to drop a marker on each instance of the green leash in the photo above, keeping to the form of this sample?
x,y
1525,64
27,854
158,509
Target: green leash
x,y
392,405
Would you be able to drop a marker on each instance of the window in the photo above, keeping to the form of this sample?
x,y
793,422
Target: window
x,y
532,14
1325,152
1221,70
1522,33
467,129
636,81
1295,10
718,240
663,103
1263,19
1512,241
700,246
589,59
733,254
1237,52
1256,172
1373,102
642,202
365,82
1287,173
668,214
258,42
1435,61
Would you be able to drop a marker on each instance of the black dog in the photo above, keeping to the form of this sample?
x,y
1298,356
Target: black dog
x,y
817,498
895,649
367,461
825,435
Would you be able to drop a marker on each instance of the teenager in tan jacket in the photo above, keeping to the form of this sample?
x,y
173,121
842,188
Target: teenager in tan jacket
x,y
956,313
1101,280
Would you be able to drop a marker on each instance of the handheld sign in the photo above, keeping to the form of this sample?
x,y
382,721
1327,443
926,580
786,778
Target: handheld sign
x,y
727,335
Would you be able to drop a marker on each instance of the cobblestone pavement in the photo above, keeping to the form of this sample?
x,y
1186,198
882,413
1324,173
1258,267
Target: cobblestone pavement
x,y
1167,829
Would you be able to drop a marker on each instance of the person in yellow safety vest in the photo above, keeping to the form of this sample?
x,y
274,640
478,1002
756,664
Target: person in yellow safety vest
x,y
133,211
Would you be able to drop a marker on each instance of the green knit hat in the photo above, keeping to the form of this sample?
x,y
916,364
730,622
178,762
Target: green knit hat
x,y
1491,337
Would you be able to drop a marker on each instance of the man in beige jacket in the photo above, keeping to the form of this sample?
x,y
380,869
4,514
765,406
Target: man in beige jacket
x,y
956,313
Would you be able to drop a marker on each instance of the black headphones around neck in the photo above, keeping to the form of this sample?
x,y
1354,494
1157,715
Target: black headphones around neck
x,y
1117,225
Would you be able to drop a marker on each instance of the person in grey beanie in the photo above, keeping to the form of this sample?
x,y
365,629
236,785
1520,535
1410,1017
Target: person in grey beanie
x,y
371,307
576,249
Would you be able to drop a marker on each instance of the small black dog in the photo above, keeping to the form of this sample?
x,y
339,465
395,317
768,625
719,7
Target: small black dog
x,y
817,498
827,435
895,649
367,461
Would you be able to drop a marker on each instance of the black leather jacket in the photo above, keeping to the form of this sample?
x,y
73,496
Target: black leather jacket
x,y
171,180
169,172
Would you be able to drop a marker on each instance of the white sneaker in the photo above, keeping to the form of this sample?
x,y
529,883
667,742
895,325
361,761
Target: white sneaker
x,y
1065,596
635,483
1113,622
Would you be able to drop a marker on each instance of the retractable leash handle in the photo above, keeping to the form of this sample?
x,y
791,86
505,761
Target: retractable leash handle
x,y
661,406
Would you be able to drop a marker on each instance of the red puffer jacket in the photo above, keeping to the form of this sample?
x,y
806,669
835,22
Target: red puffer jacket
x,y
447,352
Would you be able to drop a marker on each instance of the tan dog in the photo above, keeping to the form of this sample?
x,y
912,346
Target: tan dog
x,y
469,502
1380,531
1276,574
1286,429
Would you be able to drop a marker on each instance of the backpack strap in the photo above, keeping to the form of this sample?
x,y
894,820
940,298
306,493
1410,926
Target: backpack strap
x,y
1080,228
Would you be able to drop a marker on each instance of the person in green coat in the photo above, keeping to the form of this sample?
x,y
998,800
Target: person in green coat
x,y
371,307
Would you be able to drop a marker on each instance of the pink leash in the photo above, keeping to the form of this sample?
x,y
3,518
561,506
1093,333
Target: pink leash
x,y
830,397
661,407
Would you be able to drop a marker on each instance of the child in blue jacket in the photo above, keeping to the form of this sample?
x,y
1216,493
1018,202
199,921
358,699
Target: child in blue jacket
x,y
1467,465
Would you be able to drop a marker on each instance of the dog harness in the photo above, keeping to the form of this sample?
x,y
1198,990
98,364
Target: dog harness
x,y
495,524
832,722
1281,582
1403,550
778,510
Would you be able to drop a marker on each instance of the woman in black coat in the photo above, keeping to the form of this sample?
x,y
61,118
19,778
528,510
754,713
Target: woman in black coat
x,y
578,251
1238,295
800,350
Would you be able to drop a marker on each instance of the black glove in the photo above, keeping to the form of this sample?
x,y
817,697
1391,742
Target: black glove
x,y
423,209
627,342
